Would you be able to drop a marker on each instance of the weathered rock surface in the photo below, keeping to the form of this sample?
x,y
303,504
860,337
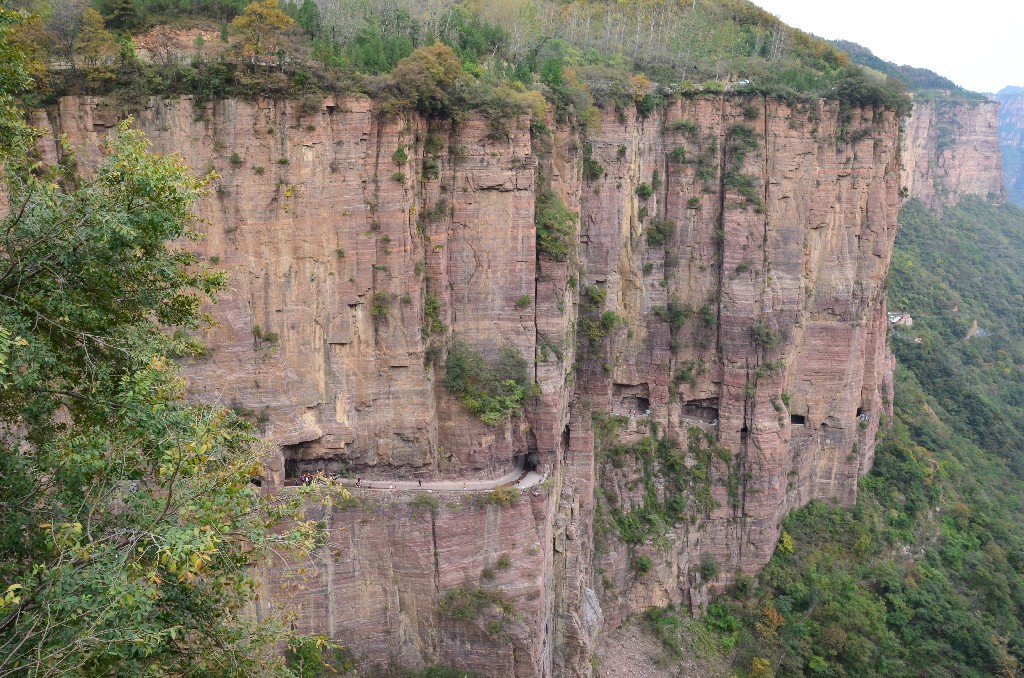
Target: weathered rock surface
x,y
790,331
764,277
393,556
318,224
1011,141
951,149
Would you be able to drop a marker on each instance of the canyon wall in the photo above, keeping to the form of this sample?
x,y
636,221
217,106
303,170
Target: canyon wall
x,y
723,303
1011,141
951,149
759,318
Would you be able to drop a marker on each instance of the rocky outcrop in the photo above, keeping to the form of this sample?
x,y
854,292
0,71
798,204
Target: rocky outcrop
x,y
757,313
951,149
399,580
728,277
1011,141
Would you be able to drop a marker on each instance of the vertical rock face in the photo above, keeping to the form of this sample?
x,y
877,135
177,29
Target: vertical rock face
x,y
1011,140
728,279
951,149
763,289
334,243
380,585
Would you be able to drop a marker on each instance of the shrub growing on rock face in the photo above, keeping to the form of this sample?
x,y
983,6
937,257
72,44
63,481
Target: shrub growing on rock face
x,y
469,603
556,225
659,231
493,390
380,304
709,568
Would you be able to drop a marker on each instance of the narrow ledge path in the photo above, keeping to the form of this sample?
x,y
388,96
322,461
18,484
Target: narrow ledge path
x,y
518,478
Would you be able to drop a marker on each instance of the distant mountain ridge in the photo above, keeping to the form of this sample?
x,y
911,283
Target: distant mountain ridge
x,y
915,78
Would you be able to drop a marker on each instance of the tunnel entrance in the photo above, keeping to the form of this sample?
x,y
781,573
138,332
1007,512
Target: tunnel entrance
x,y
631,400
526,462
797,419
302,458
704,409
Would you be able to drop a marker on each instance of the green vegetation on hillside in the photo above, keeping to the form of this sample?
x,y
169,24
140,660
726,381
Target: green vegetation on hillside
x,y
440,58
129,519
927,570
950,273
917,79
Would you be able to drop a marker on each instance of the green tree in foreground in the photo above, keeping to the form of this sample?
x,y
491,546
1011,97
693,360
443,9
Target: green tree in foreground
x,y
129,525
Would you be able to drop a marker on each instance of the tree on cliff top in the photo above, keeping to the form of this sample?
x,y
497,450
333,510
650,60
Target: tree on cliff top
x,y
424,80
260,24
129,525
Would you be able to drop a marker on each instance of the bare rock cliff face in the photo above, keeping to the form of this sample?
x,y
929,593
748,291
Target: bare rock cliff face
x,y
1011,141
728,278
782,254
951,149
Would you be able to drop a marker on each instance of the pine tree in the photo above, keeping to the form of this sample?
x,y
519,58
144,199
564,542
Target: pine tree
x,y
123,15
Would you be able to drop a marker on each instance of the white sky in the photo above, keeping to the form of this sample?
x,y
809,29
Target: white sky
x,y
978,44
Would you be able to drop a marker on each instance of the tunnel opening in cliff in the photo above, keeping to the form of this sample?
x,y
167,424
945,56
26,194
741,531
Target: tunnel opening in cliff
x,y
526,462
306,457
631,399
797,419
703,409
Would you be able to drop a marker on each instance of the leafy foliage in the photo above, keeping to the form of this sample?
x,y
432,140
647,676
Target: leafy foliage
x,y
595,323
917,79
446,57
974,275
130,521
432,323
380,305
493,390
467,603
260,24
659,231
556,226
683,473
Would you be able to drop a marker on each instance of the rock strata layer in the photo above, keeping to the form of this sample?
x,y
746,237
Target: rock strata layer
x,y
727,275
951,150
1011,141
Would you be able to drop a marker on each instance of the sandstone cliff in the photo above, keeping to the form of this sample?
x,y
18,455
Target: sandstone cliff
x,y
951,149
787,285
728,278
1011,141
